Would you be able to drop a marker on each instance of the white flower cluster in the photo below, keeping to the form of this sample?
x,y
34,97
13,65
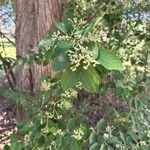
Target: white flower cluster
x,y
79,85
109,129
78,134
45,86
88,38
57,35
59,132
142,143
81,55
69,94
64,104
44,130
66,99
49,115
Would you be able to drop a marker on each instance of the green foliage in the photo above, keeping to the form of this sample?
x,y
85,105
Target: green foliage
x,y
92,25
69,79
124,130
101,125
73,52
56,125
90,79
5,2
61,27
25,100
61,62
109,60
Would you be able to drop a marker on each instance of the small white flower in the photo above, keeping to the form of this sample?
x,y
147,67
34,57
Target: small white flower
x,y
106,135
78,134
142,143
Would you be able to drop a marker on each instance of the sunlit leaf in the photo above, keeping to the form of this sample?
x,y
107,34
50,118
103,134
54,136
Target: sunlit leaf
x,y
109,60
95,146
60,26
90,79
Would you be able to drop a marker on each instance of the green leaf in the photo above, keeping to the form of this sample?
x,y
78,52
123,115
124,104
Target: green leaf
x,y
61,62
109,60
60,26
74,145
71,123
68,24
61,47
133,135
6,147
48,57
53,129
93,138
95,50
49,139
66,141
16,146
69,79
90,79
47,40
112,139
26,128
101,125
79,32
100,139
122,136
95,146
92,25
103,147
59,140
109,147
40,140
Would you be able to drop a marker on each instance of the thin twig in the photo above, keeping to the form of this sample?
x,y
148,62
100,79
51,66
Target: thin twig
x,y
4,35
8,72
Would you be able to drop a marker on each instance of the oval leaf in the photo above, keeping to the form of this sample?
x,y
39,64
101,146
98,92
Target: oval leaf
x,y
71,123
101,125
95,146
61,47
90,79
93,138
74,145
103,147
69,79
47,40
93,24
61,62
109,60
60,26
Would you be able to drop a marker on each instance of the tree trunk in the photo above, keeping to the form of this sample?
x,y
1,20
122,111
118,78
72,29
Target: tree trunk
x,y
33,19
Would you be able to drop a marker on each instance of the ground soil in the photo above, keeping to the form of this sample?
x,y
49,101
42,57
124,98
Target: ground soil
x,y
7,121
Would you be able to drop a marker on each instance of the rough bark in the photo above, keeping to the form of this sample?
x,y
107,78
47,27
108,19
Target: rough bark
x,y
33,19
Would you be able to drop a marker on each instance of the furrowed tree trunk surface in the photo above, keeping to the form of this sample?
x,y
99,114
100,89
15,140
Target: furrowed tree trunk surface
x,y
33,19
